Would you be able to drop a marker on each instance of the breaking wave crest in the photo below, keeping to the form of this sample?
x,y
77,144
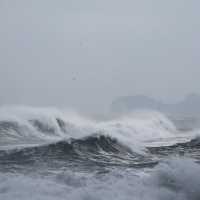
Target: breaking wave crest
x,y
49,124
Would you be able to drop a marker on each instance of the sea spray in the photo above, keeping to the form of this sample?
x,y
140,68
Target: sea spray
x,y
52,125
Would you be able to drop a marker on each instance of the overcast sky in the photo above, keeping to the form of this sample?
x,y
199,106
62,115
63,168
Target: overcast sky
x,y
112,48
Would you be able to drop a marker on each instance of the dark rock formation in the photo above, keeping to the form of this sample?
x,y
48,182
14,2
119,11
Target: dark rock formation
x,y
190,106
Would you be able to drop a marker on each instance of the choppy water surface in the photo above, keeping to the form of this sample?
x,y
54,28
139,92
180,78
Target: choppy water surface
x,y
46,154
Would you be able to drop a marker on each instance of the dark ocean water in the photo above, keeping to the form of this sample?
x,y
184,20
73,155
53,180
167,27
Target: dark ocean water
x,y
46,154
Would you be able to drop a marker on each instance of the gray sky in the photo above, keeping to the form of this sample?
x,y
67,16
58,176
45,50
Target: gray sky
x,y
112,48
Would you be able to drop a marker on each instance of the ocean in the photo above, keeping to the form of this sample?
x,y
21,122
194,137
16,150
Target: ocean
x,y
49,154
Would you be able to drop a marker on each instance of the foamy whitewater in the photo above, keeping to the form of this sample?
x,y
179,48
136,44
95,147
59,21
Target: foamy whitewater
x,y
49,154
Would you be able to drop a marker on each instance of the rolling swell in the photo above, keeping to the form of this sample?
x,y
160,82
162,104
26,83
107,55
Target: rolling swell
x,y
93,152
47,125
190,149
52,156
116,142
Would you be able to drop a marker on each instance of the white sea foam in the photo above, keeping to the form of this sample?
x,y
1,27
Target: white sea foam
x,y
175,179
130,131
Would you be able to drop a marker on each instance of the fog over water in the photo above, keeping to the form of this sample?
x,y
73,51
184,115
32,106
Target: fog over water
x,y
64,64
112,48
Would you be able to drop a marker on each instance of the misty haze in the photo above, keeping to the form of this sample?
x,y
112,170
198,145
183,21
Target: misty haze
x,y
99,100
189,107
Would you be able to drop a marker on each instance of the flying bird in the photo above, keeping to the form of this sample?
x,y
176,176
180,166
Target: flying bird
x,y
73,78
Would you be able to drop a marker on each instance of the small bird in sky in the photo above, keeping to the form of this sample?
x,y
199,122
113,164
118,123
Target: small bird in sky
x,y
81,44
73,78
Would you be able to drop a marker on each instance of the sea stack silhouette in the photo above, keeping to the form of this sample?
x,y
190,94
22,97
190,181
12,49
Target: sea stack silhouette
x,y
189,107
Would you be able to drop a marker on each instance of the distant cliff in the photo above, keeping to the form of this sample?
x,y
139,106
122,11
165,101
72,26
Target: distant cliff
x,y
190,106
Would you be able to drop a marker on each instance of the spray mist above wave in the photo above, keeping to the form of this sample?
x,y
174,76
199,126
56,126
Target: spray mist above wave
x,y
49,124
